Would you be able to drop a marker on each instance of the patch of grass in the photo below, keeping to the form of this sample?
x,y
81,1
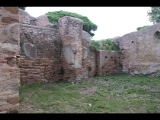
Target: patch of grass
x,y
119,93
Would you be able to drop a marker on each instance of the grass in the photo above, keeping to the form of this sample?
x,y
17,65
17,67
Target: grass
x,y
120,93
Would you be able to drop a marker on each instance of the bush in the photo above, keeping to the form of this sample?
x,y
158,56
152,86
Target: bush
x,y
105,44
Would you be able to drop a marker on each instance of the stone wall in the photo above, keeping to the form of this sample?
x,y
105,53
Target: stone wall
x,y
48,53
141,51
9,50
40,54
88,57
108,62
45,53
71,36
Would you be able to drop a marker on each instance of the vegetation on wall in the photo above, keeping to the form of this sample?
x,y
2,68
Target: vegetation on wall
x,y
104,44
143,27
88,26
154,15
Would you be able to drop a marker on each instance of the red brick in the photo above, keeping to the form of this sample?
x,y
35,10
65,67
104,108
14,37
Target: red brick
x,y
9,69
12,9
9,20
3,61
16,16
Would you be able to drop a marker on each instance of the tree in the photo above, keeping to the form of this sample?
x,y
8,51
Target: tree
x,y
104,44
154,15
88,26
23,8
143,27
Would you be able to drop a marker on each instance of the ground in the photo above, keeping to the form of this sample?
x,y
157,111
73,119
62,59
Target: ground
x,y
120,93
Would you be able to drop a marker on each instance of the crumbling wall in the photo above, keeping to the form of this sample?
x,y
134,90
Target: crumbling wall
x,y
9,50
108,62
40,51
88,57
141,51
64,52
71,36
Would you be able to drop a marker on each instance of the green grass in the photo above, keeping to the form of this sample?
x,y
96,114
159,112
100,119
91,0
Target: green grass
x,y
120,93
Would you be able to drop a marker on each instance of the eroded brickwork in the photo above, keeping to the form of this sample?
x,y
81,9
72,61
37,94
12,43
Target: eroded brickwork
x,y
40,57
45,53
108,62
71,36
9,72
48,53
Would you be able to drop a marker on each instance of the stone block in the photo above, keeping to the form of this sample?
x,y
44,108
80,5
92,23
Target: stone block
x,y
12,9
9,20
42,21
8,107
13,99
84,53
5,92
70,55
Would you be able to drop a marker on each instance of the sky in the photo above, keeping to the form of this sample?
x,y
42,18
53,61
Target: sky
x,y
111,21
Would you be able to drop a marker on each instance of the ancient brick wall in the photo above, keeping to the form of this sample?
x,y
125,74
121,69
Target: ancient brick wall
x,y
108,62
88,57
9,72
40,56
141,51
58,53
48,53
71,36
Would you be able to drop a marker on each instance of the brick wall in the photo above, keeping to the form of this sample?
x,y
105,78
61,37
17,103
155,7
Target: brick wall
x,y
108,62
9,72
89,64
40,57
71,36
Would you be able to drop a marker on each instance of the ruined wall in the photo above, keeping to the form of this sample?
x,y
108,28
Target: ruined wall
x,y
40,54
88,57
48,53
51,53
108,62
9,50
141,51
71,36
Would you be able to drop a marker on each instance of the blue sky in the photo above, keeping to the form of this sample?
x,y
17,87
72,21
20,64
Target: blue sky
x,y
111,21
